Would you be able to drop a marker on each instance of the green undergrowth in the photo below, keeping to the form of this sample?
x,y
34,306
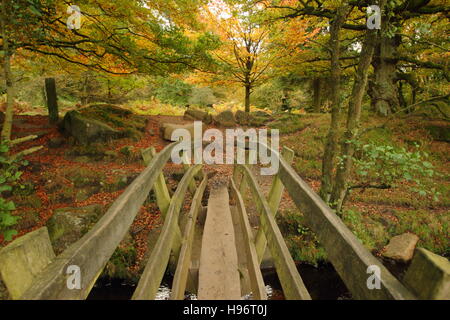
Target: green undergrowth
x,y
301,241
376,215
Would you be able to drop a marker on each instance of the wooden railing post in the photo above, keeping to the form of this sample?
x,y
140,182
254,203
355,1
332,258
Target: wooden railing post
x,y
184,259
275,194
160,187
186,165
167,242
291,282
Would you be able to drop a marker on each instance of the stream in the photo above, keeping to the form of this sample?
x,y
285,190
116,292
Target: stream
x,y
322,282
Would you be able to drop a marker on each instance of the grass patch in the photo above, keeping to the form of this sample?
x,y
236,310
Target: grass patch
x,y
288,123
301,241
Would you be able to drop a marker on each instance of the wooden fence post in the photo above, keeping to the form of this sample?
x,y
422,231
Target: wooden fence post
x,y
52,100
160,187
275,194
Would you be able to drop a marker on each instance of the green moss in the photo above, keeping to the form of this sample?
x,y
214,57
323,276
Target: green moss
x,y
432,228
301,241
74,174
121,260
95,151
131,125
288,124
310,169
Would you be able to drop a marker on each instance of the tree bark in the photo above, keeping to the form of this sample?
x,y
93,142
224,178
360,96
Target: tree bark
x,y
331,144
317,87
353,120
384,97
9,112
52,100
248,91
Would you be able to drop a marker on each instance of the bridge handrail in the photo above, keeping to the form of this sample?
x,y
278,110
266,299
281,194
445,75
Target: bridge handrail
x,y
91,253
348,255
184,260
292,283
156,265
253,264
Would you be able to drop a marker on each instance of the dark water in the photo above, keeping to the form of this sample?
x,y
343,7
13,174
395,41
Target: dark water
x,y
323,283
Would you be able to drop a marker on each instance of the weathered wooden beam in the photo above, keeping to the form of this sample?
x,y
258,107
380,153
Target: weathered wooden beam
x,y
184,260
348,256
91,253
186,165
275,194
157,263
52,100
256,278
292,283
160,187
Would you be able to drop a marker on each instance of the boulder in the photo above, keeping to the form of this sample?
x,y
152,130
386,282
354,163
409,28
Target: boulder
x,y
225,119
23,259
166,130
401,247
439,133
55,142
194,114
86,130
428,276
67,225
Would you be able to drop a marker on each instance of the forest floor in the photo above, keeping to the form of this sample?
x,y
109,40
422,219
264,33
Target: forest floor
x,y
65,176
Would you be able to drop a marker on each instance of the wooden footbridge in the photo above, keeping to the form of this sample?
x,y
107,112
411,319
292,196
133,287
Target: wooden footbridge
x,y
218,255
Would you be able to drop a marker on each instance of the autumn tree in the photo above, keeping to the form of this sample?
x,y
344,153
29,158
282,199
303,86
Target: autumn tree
x,y
124,37
249,47
394,59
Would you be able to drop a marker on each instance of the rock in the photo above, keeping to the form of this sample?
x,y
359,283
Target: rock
x,y
225,119
439,133
122,182
84,194
55,143
87,131
67,225
193,114
401,247
23,259
428,276
167,129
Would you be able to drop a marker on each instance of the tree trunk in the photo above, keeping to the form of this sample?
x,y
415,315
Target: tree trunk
x,y
331,144
285,104
52,100
248,92
353,120
385,98
317,86
401,96
7,124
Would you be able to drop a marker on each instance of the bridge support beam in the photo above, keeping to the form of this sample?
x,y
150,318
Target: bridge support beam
x,y
160,187
275,194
